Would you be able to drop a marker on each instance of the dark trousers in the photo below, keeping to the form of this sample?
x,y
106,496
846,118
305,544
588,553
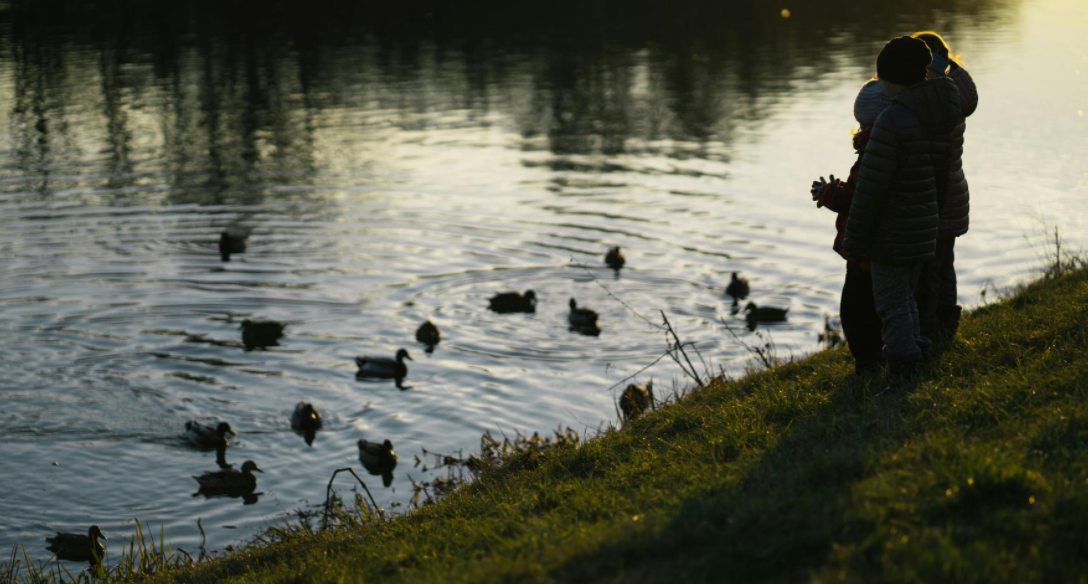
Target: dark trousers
x,y
937,294
860,322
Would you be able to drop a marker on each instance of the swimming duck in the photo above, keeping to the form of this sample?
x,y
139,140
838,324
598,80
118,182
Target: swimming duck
x,y
378,459
232,240
306,421
258,334
76,547
755,314
207,437
428,334
229,481
737,288
384,367
583,320
513,302
636,399
614,258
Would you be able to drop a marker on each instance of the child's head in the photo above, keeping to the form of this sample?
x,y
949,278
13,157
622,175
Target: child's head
x,y
871,100
934,41
903,61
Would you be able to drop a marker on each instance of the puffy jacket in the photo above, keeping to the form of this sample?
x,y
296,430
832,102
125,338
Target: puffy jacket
x,y
956,198
915,141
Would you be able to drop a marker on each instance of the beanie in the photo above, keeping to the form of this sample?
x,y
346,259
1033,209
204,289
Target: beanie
x,y
903,60
871,100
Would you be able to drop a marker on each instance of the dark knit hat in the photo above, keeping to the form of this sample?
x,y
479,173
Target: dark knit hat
x,y
903,60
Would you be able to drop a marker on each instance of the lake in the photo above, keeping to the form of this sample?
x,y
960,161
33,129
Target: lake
x,y
406,163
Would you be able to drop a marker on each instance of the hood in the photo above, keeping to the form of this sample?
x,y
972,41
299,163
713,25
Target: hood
x,y
936,102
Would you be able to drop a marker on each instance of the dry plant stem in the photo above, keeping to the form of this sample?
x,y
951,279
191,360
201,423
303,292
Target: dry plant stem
x,y
328,496
680,348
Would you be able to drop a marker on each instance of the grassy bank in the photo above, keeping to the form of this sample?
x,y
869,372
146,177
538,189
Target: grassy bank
x,y
806,472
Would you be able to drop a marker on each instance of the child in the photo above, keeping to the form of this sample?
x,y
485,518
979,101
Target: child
x,y
860,322
937,295
894,218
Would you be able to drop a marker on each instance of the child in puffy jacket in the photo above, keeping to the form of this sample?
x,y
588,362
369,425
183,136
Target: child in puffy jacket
x,y
857,311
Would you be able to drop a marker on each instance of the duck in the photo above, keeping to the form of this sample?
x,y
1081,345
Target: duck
x,y
755,314
259,334
737,288
384,367
614,258
232,240
513,302
636,400
305,417
583,320
229,481
378,458
207,437
428,334
76,547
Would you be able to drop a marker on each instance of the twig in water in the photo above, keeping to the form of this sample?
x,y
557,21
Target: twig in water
x,y
679,347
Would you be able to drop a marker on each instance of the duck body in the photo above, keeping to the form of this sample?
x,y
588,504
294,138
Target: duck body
x,y
76,547
506,302
583,320
428,334
258,334
614,258
378,458
231,241
737,288
305,418
636,399
754,314
229,481
384,367
207,437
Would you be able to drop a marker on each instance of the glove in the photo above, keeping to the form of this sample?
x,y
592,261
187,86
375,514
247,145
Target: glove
x,y
939,63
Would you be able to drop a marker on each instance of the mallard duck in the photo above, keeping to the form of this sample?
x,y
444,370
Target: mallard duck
x,y
384,367
378,458
513,302
428,334
76,547
636,400
258,334
306,420
754,314
737,288
229,481
207,437
614,258
232,240
583,320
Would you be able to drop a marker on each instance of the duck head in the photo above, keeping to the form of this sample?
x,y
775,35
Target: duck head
x,y
223,429
402,354
250,467
95,533
573,304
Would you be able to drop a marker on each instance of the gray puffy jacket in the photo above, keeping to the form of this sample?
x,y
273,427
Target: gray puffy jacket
x,y
913,153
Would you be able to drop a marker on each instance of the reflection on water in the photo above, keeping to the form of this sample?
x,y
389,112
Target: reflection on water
x,y
404,164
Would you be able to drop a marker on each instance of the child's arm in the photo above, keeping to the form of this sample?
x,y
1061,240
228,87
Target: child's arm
x,y
836,196
966,85
877,168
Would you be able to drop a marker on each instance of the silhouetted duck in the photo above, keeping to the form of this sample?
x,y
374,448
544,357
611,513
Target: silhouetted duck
x,y
258,334
755,314
637,399
229,481
384,367
232,240
378,459
583,320
614,258
306,421
513,302
207,437
737,288
428,334
76,547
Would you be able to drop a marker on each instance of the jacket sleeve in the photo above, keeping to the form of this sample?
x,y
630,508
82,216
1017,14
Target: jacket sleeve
x,y
878,167
968,92
836,196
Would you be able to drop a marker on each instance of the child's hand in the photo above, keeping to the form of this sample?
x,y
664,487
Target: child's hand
x,y
818,187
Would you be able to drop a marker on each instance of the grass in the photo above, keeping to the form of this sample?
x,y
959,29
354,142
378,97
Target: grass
x,y
978,473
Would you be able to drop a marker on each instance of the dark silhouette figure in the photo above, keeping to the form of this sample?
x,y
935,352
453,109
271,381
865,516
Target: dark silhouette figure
x,y
756,314
384,367
614,258
506,302
428,334
378,459
306,420
76,547
737,288
232,240
261,334
583,320
229,482
207,437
